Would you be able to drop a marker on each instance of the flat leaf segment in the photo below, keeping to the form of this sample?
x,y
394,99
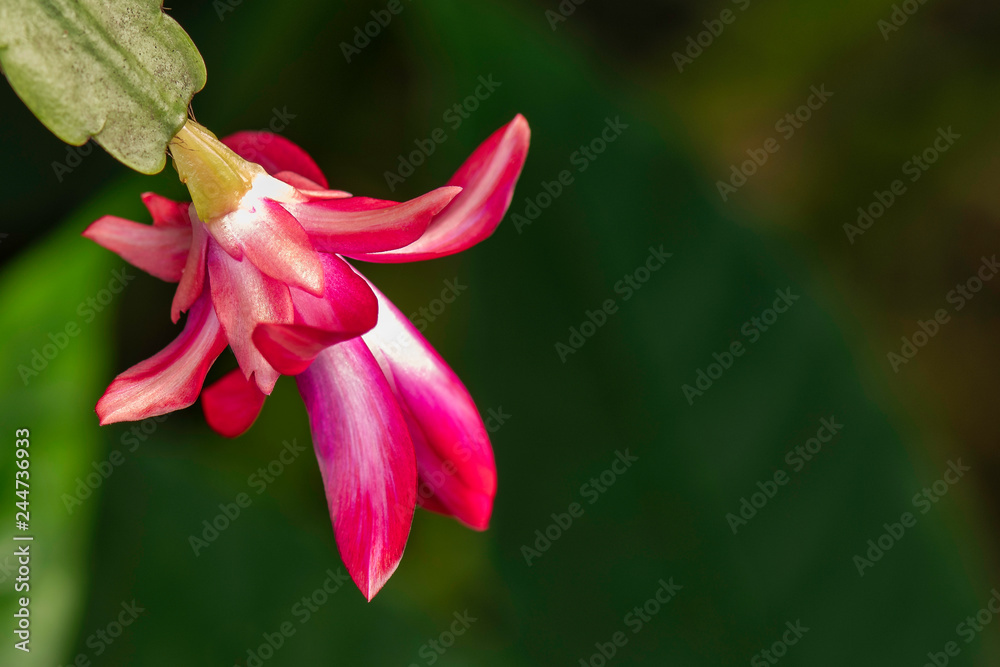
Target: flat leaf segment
x,y
120,71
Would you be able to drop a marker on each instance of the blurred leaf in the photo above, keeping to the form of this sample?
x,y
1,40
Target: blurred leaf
x,y
120,71
50,383
664,518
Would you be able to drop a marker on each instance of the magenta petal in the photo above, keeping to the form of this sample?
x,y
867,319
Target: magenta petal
x,y
159,251
309,188
487,180
291,348
366,459
223,231
166,212
454,456
361,225
172,378
274,241
232,404
244,297
192,282
348,310
274,153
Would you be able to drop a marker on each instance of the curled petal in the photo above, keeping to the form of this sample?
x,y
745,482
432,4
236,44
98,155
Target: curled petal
x,y
361,225
366,459
192,282
275,153
232,404
166,212
290,348
273,241
244,297
454,457
348,310
487,180
159,251
171,379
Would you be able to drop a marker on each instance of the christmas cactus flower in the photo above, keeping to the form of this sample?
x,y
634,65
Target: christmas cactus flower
x,y
259,258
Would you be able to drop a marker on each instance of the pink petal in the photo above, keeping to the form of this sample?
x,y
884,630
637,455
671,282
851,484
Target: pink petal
x,y
171,379
309,188
361,225
193,279
166,212
487,180
365,457
274,241
348,310
232,404
454,456
243,298
159,251
274,153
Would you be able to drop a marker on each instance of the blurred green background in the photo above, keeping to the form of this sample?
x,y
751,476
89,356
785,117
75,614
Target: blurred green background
x,y
666,516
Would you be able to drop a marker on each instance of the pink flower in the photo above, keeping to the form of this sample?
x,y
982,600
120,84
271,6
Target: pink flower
x,y
259,260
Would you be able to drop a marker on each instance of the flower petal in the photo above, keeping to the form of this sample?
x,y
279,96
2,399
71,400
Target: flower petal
x,y
274,241
192,282
243,298
349,309
232,404
366,459
159,251
454,456
487,180
361,225
275,153
171,379
309,188
166,212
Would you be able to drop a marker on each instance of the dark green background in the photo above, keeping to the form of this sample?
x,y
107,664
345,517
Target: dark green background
x,y
655,185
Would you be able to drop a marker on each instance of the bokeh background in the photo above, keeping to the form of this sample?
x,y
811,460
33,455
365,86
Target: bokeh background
x,y
665,517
